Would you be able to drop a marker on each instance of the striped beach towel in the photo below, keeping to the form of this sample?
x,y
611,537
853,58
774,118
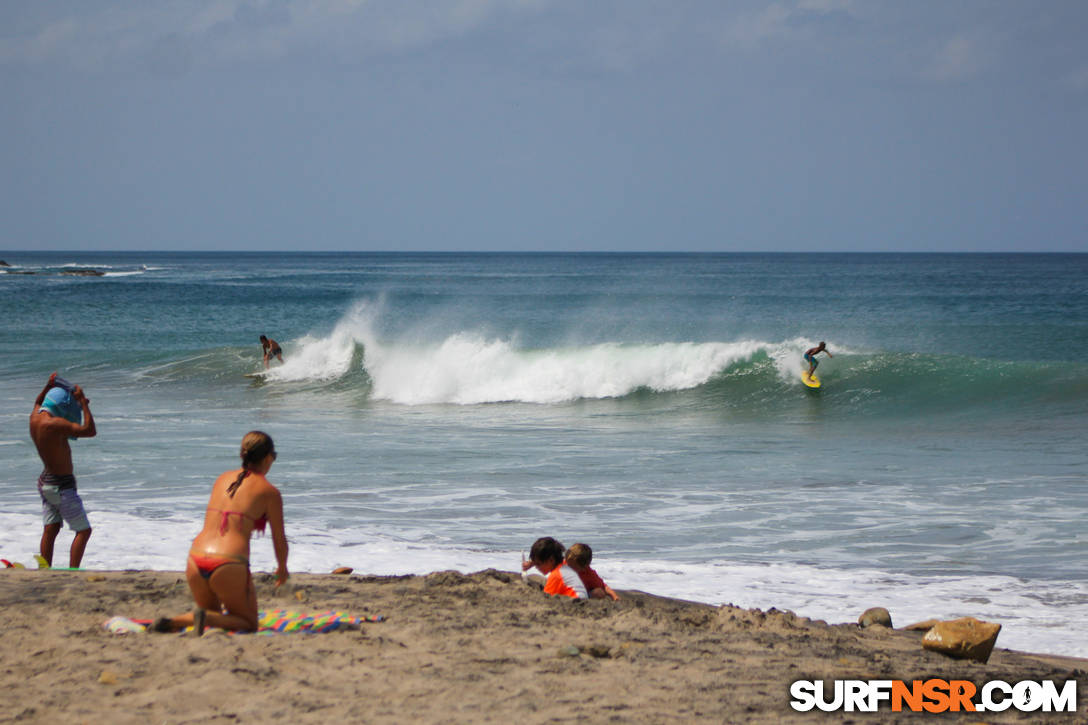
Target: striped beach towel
x,y
282,621
272,621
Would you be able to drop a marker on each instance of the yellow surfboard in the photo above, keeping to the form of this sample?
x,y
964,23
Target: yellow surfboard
x,y
810,380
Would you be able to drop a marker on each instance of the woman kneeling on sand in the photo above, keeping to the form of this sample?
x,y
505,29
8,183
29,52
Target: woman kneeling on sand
x,y
242,501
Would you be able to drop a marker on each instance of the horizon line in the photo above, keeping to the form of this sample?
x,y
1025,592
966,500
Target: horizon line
x,y
526,251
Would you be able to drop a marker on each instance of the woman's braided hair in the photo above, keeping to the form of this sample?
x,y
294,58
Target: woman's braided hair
x,y
255,446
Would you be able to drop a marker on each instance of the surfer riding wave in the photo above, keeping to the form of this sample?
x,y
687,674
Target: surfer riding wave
x,y
810,356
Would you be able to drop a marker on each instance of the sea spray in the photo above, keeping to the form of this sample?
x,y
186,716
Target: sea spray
x,y
314,358
469,369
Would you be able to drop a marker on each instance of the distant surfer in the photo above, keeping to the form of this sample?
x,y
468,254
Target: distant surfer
x,y
271,350
810,356
61,411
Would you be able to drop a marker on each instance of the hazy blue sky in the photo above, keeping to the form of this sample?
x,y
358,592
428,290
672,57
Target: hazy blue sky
x,y
544,125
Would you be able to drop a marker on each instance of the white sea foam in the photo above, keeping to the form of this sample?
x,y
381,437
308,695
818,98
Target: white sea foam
x,y
328,357
468,367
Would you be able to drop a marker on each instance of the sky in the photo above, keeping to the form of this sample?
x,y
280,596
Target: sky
x,y
544,125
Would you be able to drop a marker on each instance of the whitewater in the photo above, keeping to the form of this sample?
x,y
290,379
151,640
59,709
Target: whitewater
x,y
468,368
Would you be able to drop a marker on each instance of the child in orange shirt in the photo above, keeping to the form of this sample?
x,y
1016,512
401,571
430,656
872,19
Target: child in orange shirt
x,y
547,556
578,558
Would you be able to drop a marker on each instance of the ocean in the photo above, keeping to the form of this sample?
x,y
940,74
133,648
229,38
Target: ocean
x,y
442,411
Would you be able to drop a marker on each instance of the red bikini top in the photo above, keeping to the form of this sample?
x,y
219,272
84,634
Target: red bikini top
x,y
258,524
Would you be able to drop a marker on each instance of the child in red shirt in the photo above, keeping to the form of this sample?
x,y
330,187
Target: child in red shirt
x,y
578,558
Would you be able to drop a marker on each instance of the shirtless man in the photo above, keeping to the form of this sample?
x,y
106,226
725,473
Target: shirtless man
x,y
271,350
810,356
55,419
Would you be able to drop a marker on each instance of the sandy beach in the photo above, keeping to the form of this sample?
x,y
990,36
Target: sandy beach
x,y
483,647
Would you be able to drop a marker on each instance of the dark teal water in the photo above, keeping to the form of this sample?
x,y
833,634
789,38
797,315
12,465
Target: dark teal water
x,y
444,410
